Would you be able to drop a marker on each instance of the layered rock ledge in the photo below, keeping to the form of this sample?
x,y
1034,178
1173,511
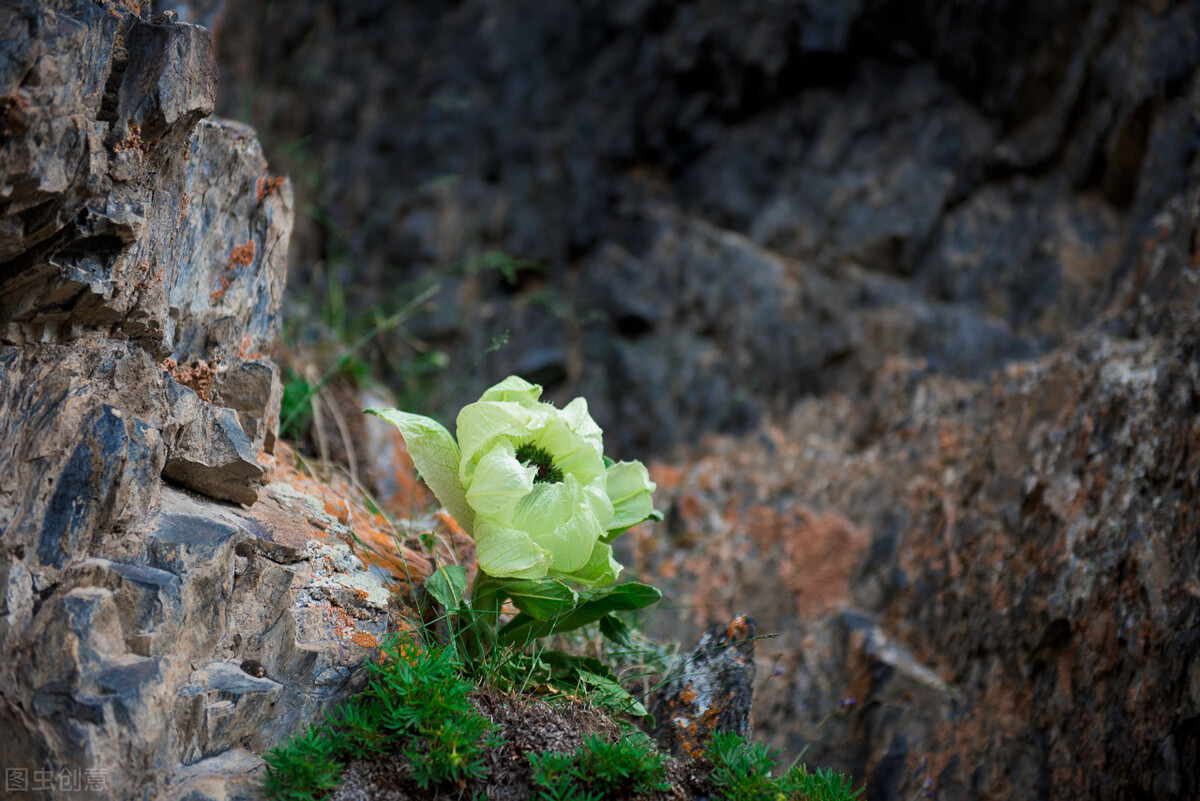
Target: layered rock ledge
x,y
175,598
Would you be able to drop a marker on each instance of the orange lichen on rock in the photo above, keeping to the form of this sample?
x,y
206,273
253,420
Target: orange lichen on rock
x,y
265,185
242,255
339,509
239,256
739,630
217,294
710,690
405,494
447,520
198,377
821,553
244,352
132,141
374,540
382,547
364,639
345,627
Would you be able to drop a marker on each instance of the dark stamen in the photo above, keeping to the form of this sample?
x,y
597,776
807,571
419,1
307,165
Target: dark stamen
x,y
531,455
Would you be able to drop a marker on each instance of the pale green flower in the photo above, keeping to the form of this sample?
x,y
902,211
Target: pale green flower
x,y
530,483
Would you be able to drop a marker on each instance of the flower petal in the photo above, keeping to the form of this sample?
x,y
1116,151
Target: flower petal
x,y
571,452
600,570
515,389
629,488
575,414
436,455
481,424
559,519
596,495
543,509
499,483
508,553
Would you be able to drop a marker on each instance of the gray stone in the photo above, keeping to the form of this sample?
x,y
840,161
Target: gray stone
x,y
709,689
207,450
142,263
996,165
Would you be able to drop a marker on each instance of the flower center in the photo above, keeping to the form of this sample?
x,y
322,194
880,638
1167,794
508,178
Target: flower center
x,y
531,455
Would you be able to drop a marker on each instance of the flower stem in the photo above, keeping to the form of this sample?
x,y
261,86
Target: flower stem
x,y
479,635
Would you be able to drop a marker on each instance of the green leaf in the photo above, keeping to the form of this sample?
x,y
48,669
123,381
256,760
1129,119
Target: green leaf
x,y
615,629
448,584
620,598
593,605
596,679
518,670
543,599
436,455
605,691
567,666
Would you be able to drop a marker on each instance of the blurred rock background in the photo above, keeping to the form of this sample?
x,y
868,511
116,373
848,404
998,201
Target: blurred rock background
x,y
926,269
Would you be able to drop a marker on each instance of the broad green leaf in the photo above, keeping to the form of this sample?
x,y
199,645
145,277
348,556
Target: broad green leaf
x,y
593,605
436,455
448,584
518,671
615,629
543,599
621,598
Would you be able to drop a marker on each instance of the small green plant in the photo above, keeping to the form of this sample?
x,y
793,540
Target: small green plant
x,y
744,771
303,768
558,776
415,702
598,770
507,265
295,408
531,485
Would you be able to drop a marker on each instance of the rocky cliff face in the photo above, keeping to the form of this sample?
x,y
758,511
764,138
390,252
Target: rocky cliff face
x,y
937,258
731,208
156,630
988,588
